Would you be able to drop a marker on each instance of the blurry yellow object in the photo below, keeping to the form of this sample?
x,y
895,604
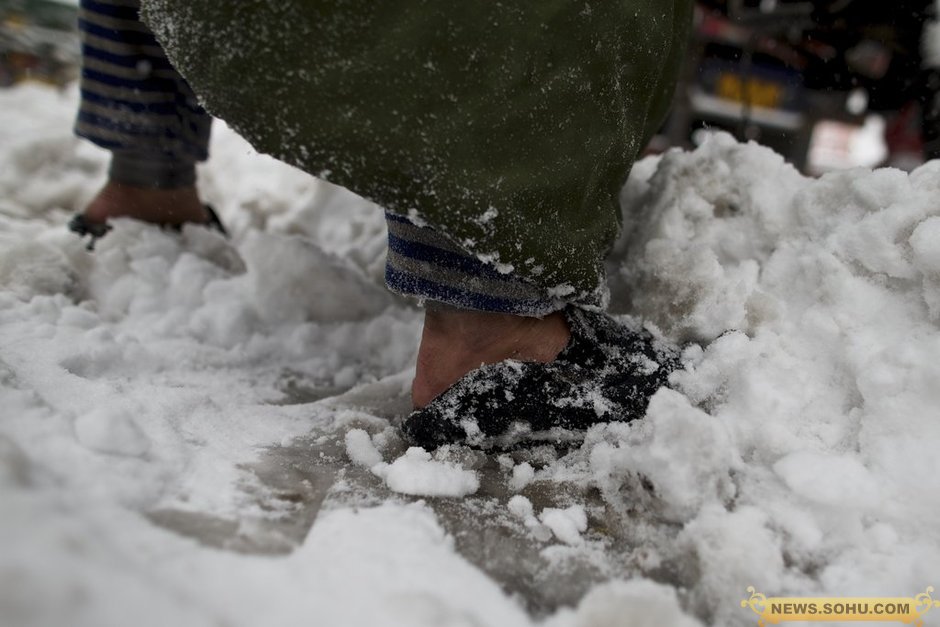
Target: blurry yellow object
x,y
753,91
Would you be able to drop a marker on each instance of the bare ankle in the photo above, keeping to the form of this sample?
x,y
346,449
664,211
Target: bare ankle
x,y
159,206
454,342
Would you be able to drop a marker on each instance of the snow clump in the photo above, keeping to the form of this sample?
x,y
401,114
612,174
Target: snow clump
x,y
416,473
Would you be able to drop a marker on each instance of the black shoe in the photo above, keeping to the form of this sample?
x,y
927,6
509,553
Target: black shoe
x,y
82,226
214,221
608,372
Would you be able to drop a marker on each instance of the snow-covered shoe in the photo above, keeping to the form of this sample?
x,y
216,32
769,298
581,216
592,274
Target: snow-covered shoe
x,y
607,372
82,226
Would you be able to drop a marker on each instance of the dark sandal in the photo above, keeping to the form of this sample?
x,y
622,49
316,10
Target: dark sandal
x,y
82,226
607,372
214,221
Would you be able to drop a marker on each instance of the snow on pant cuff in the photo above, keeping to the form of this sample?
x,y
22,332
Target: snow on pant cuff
x,y
425,264
151,171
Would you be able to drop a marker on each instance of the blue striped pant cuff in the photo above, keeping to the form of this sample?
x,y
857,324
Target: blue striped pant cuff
x,y
425,264
132,100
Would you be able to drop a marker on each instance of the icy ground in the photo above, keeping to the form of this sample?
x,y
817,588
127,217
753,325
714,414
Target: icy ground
x,y
196,431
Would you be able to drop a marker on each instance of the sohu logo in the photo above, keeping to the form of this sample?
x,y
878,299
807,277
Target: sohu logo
x,y
775,610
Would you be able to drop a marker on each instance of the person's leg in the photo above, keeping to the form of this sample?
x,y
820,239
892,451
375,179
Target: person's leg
x,y
510,136
457,341
136,105
474,314
173,206
503,359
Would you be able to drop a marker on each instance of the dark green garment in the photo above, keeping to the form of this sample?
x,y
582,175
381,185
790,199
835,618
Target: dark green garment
x,y
509,125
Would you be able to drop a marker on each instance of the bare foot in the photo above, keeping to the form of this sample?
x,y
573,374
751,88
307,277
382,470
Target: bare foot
x,y
454,342
159,206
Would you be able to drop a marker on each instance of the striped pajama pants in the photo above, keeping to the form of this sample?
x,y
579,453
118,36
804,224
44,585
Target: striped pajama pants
x,y
135,104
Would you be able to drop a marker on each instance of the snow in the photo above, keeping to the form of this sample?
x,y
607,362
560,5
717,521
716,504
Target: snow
x,y
522,475
567,524
522,508
637,603
683,456
191,428
416,473
926,253
361,450
111,429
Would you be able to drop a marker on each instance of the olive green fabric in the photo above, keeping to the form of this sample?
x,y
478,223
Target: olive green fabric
x,y
510,125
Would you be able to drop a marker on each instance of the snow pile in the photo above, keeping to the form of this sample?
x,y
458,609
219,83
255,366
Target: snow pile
x,y
291,278
696,231
111,430
796,452
674,462
636,603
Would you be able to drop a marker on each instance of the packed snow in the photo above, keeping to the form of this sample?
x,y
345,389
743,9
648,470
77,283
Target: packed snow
x,y
567,524
418,474
198,431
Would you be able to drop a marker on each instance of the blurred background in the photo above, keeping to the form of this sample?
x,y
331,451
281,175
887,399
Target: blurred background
x,y
829,84
38,41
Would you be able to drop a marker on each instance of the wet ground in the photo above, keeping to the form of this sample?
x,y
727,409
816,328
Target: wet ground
x,y
290,485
